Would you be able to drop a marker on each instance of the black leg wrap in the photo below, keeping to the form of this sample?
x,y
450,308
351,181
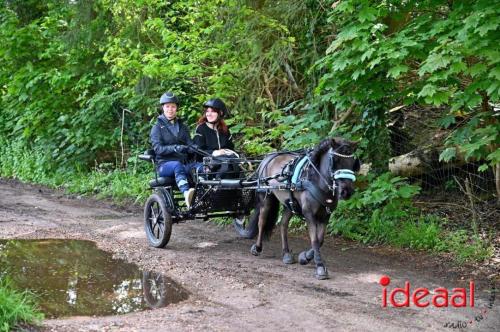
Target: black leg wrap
x,y
288,258
321,272
303,258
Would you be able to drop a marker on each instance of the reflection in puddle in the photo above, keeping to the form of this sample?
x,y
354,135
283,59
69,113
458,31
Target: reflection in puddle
x,y
71,277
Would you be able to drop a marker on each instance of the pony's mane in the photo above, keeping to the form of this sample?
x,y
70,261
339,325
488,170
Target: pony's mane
x,y
342,146
319,149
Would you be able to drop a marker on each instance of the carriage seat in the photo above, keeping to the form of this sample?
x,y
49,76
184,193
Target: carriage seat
x,y
149,155
163,182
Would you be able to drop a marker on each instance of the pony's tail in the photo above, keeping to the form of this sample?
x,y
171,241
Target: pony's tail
x,y
272,216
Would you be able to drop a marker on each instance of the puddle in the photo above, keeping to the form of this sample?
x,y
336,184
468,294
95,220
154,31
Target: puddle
x,y
75,278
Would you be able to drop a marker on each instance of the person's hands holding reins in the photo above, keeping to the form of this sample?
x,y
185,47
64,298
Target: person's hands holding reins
x,y
181,148
217,153
224,152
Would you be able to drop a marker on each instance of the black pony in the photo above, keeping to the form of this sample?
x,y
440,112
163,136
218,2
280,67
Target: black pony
x,y
327,176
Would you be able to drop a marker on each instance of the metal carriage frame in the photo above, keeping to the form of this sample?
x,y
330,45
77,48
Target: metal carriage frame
x,y
214,197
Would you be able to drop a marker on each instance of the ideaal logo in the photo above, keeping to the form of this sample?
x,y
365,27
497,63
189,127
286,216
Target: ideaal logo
x,y
460,297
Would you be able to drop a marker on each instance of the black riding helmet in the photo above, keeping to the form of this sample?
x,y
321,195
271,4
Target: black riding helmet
x,y
168,97
218,104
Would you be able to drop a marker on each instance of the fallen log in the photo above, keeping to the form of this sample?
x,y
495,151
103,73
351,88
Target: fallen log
x,y
420,161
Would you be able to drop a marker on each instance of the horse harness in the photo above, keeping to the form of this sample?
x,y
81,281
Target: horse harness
x,y
295,176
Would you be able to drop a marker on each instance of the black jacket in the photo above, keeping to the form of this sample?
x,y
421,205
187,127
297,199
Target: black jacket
x,y
209,140
164,141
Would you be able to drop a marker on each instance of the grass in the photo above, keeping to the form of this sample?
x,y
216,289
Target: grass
x,y
16,308
419,233
104,181
120,185
466,247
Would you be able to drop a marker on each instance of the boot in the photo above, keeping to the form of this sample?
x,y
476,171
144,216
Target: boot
x,y
188,197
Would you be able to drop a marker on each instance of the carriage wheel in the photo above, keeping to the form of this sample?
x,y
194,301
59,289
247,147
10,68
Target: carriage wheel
x,y
157,221
247,226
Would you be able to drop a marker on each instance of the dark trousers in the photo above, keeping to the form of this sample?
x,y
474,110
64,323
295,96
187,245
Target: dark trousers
x,y
179,171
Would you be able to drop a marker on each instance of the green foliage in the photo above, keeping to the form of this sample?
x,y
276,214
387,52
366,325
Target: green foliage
x,y
386,197
431,52
17,161
16,307
383,214
374,215
447,50
50,86
69,69
478,140
419,233
465,247
302,130
128,184
121,185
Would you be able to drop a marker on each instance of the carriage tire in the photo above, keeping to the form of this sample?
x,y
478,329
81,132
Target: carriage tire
x,y
247,226
157,221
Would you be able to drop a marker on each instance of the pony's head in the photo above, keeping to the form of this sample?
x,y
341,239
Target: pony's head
x,y
339,162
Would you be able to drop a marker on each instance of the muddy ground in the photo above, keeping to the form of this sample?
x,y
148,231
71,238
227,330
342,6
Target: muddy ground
x,y
230,290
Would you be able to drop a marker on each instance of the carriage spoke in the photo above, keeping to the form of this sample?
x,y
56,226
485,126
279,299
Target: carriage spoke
x,y
152,218
151,222
154,227
153,212
158,230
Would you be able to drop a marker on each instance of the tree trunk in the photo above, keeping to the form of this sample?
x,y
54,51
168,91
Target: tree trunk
x,y
419,162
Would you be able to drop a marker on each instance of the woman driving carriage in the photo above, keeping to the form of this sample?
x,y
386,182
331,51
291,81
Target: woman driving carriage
x,y
170,139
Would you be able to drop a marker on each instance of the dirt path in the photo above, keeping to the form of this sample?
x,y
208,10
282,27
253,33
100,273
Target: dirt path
x,y
233,291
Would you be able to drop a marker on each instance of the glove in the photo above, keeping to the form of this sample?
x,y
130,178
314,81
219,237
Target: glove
x,y
193,148
229,152
218,153
181,148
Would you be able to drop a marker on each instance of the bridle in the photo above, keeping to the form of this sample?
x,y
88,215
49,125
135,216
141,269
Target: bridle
x,y
342,173
339,174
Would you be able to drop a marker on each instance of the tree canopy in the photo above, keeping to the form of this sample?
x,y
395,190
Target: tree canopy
x,y
81,79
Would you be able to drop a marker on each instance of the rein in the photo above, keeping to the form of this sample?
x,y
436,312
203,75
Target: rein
x,y
332,188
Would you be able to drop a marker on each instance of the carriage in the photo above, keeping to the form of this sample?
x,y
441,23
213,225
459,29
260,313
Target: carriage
x,y
308,184
229,194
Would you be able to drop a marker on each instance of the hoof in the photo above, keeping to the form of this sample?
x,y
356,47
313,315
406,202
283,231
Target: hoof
x,y
288,258
321,273
303,260
255,250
